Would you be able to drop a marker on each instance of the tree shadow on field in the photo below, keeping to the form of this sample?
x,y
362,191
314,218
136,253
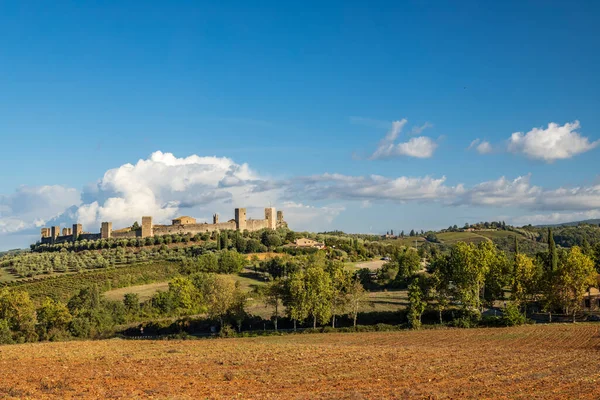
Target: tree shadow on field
x,y
255,276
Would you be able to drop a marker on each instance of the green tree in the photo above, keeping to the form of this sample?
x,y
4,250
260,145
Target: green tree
x,y
272,295
497,276
270,239
17,309
230,262
135,226
408,262
219,293
440,286
468,268
53,319
309,292
184,295
524,280
357,295
573,278
224,240
416,302
552,253
131,301
340,283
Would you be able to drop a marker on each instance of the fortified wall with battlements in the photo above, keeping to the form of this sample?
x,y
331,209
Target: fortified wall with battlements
x,y
181,225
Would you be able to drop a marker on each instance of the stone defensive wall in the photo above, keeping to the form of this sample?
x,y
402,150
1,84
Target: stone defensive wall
x,y
192,228
182,225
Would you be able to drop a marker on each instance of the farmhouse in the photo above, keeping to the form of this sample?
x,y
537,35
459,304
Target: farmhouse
x,y
304,242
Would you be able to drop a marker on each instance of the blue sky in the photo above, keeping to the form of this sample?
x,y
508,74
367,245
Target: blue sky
x,y
294,91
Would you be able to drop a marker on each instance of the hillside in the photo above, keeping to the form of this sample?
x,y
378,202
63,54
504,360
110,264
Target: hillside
x,y
541,361
573,223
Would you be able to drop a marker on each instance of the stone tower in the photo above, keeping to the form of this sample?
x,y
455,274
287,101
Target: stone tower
x,y
270,217
147,230
215,219
240,219
77,230
106,230
279,217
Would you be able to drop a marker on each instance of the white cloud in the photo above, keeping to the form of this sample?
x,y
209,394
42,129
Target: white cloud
x,y
502,193
417,130
553,143
371,188
481,146
310,218
163,185
521,193
556,218
419,147
31,206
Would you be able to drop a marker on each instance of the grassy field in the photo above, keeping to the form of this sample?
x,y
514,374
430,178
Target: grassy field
x,y
145,292
454,237
409,241
536,361
246,280
6,276
372,265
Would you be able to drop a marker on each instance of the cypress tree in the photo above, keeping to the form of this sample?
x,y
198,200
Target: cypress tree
x,y
552,255
516,246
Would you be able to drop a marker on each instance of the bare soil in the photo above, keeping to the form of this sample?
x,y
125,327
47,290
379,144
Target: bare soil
x,y
543,361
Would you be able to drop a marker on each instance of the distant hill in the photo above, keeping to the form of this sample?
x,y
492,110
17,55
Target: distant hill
x,y
12,251
574,223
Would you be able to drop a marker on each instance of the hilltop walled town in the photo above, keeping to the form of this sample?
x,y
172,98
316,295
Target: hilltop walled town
x,y
182,225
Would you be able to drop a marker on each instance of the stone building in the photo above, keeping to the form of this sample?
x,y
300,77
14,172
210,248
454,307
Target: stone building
x,y
182,225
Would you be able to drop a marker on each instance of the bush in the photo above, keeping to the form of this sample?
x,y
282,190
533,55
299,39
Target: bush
x,y
385,327
5,333
512,315
227,331
80,327
463,322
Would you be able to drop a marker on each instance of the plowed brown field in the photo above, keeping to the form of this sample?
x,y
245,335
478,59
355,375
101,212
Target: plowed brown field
x,y
555,361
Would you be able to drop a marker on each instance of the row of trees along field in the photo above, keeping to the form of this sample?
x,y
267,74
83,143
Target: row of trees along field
x,y
317,289
244,242
80,255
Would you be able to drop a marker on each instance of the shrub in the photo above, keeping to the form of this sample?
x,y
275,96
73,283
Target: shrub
x,y
5,333
512,315
463,322
227,331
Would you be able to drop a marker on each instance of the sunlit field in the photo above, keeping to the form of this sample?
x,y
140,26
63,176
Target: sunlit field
x,y
543,361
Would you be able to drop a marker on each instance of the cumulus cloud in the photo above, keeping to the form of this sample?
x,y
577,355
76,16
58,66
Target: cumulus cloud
x,y
372,188
312,218
481,146
502,193
163,185
419,147
553,143
521,193
31,206
555,218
